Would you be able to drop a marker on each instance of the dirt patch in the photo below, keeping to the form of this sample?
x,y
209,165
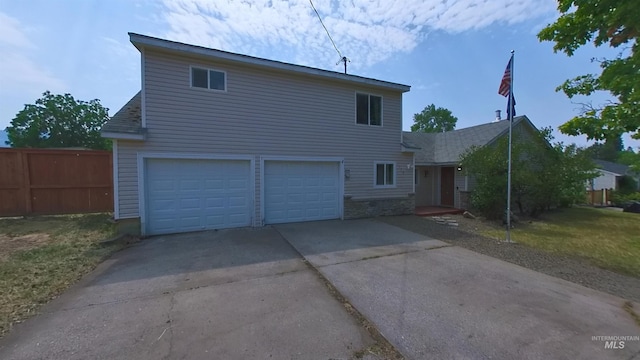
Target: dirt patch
x,y
12,244
574,269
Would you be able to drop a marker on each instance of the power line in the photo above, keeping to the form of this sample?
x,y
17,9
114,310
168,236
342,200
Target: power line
x,y
342,58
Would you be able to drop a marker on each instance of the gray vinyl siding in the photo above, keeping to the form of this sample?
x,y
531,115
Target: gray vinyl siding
x,y
459,182
263,113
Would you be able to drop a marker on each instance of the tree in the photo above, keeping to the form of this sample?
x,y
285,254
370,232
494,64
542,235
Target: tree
x,y
617,23
543,176
432,120
56,121
608,150
631,158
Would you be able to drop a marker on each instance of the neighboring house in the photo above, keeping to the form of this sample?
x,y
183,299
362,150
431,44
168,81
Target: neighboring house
x,y
218,140
610,174
439,178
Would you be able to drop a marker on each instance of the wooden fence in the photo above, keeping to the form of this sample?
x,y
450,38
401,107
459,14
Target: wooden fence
x,y
52,181
599,197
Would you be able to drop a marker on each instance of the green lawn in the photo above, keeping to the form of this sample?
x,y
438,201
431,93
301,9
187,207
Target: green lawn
x,y
607,238
40,257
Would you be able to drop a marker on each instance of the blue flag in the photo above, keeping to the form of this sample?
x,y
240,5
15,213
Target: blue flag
x,y
511,107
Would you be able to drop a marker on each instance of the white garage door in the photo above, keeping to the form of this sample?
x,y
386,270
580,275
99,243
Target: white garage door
x,y
189,195
301,191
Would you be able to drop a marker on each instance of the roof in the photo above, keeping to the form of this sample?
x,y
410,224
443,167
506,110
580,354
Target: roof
x,y
447,147
612,167
143,41
127,120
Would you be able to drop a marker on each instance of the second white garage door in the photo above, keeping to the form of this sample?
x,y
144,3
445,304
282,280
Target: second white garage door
x,y
301,191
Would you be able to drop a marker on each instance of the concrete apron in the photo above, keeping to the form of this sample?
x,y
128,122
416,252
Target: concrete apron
x,y
431,300
233,294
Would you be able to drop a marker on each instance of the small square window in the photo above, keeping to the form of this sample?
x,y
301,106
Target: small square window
x,y
199,78
385,174
375,110
216,80
208,79
380,174
368,109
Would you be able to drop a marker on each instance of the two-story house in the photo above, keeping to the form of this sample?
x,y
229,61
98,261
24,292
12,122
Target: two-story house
x,y
218,140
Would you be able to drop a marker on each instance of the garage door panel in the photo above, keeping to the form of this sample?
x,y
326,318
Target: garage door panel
x,y
188,195
301,191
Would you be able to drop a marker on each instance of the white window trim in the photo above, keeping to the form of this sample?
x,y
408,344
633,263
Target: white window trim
x,y
191,67
355,96
395,174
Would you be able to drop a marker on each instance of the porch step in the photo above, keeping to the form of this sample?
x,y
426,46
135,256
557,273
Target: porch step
x,y
434,211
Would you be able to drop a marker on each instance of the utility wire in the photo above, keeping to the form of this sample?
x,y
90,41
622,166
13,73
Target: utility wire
x,y
325,29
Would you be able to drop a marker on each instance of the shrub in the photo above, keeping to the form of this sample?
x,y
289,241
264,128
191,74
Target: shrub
x,y
543,176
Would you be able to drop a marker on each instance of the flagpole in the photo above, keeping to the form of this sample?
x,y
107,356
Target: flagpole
x,y
509,166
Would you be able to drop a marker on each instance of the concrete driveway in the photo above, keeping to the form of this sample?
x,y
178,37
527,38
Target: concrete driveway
x,y
242,294
233,294
434,301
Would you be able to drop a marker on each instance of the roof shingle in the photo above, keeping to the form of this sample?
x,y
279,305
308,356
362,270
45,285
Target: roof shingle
x,y
447,147
612,167
128,120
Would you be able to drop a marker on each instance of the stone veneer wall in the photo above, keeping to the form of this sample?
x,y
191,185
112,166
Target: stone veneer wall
x,y
355,209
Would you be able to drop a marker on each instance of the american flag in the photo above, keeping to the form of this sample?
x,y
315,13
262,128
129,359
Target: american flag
x,y
505,84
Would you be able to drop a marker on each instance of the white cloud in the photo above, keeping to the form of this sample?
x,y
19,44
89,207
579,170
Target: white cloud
x,y
10,33
367,31
19,73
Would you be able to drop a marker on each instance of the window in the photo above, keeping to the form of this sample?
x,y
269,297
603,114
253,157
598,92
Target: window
x,y
385,174
208,79
368,109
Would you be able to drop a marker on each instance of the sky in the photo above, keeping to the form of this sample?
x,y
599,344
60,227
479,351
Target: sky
x,y
452,53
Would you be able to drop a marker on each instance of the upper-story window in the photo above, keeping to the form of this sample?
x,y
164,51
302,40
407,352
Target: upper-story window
x,y
368,109
208,79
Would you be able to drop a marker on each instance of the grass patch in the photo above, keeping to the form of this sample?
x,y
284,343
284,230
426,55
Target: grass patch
x,y
43,256
609,239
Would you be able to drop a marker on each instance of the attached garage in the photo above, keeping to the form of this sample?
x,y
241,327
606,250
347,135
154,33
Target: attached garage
x,y
297,191
182,195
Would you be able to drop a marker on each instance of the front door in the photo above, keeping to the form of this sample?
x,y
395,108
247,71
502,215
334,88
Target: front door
x,y
446,186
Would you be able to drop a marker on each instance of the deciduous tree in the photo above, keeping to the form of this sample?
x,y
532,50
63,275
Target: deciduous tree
x,y
56,121
543,175
432,120
612,22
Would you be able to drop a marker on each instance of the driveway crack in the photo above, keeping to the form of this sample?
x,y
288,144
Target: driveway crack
x,y
382,345
172,302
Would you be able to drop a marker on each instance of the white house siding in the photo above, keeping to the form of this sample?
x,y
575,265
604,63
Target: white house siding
x,y
263,112
606,180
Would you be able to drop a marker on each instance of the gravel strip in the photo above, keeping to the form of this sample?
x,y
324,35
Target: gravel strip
x,y
573,269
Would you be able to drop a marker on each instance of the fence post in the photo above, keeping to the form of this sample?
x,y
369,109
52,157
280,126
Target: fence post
x,y
27,181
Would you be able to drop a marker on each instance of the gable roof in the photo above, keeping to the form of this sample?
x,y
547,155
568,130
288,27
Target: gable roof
x,y
143,41
447,147
612,167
